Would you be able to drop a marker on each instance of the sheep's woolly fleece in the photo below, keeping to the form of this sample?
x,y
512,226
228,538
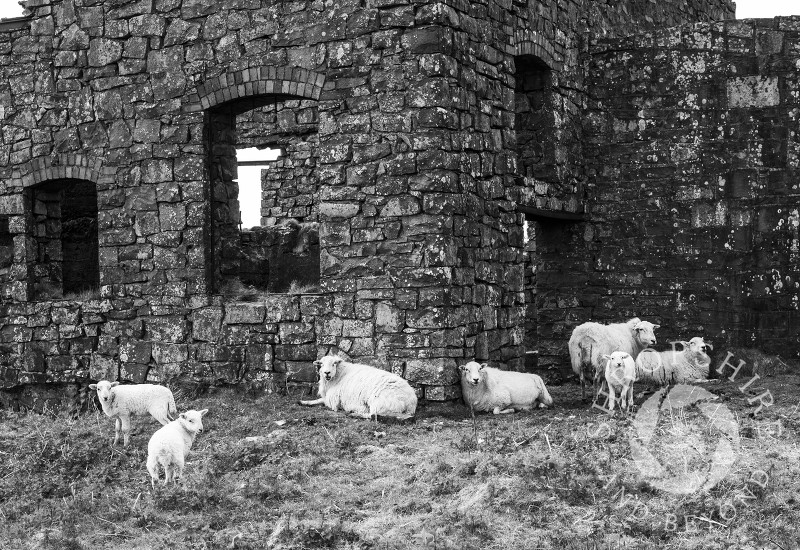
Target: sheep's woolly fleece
x,y
362,390
488,389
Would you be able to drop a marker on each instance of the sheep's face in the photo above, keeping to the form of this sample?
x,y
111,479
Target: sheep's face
x,y
192,420
473,372
616,365
104,393
644,333
698,345
327,366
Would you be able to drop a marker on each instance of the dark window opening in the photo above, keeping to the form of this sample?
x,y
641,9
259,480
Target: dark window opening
x,y
64,226
264,235
6,245
535,119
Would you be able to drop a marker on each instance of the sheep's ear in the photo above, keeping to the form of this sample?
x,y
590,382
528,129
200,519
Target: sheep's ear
x,y
114,384
656,326
685,344
203,412
318,364
606,356
462,368
708,345
483,366
92,386
182,415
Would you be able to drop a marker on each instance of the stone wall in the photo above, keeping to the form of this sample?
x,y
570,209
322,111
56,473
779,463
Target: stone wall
x,y
694,162
399,120
267,344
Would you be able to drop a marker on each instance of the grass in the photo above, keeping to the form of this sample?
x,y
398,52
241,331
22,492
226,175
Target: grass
x,y
268,473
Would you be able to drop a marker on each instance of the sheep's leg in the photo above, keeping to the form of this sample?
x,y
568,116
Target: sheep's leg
x,y
117,424
152,467
126,429
312,402
178,471
611,398
501,410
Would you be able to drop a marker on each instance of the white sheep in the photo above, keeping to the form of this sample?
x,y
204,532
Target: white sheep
x,y
120,402
620,373
488,389
675,367
591,341
362,390
170,444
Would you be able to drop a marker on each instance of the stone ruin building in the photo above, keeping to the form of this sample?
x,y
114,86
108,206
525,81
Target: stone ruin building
x,y
470,180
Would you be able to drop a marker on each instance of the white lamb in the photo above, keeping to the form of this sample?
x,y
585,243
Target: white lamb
x,y
170,444
488,389
591,341
675,367
120,402
362,390
620,373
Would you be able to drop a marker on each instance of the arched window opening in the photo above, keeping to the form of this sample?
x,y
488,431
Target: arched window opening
x,y
64,228
535,120
264,234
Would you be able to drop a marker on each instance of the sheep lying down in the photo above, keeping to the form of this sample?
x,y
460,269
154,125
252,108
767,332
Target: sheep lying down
x,y
120,402
488,389
362,390
675,367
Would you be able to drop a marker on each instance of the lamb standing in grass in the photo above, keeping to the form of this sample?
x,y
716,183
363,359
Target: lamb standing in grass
x,y
487,389
362,390
675,367
169,446
120,402
591,341
620,373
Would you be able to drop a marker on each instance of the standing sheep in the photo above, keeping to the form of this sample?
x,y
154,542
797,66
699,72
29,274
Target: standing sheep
x,y
488,389
362,390
675,367
170,444
620,373
591,341
120,402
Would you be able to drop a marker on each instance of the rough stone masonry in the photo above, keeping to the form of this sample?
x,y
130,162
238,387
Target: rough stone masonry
x,y
651,145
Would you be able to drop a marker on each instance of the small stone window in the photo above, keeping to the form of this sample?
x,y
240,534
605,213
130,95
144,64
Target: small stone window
x,y
535,119
64,227
6,245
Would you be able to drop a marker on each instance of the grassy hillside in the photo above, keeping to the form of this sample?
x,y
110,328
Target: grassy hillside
x,y
268,473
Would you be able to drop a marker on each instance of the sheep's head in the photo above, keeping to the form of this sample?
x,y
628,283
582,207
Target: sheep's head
x,y
327,366
104,393
192,420
616,364
472,372
643,331
698,345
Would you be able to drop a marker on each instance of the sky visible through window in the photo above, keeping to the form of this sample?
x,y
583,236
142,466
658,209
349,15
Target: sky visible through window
x,y
250,183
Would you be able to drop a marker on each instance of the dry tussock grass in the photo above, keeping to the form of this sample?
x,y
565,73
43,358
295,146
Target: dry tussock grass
x,y
268,473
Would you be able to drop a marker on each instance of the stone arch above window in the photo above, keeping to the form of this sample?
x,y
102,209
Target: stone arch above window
x,y
530,43
256,81
61,167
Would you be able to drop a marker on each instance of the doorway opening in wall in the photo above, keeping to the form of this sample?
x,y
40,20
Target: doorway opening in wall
x,y
64,229
264,235
555,290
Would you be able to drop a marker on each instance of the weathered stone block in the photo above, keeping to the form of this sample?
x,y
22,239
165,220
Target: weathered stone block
x,y
435,371
249,313
296,333
206,324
